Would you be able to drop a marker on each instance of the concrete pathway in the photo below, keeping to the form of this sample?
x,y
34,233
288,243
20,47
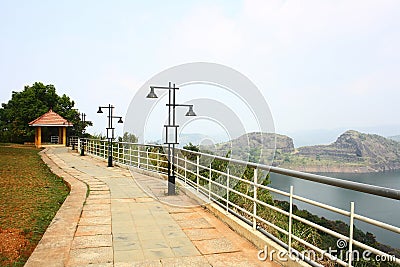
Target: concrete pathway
x,y
120,225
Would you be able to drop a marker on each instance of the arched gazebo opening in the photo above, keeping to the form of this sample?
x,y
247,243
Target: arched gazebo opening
x,y
53,125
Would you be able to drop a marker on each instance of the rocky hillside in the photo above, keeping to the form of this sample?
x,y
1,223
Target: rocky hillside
x,y
255,147
351,152
369,152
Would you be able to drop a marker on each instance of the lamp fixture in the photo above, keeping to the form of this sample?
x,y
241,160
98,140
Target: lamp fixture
x,y
152,94
190,112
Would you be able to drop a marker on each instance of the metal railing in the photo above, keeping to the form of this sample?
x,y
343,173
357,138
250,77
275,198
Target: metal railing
x,y
73,141
54,139
244,196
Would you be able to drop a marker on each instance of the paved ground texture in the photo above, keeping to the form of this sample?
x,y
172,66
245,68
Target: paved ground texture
x,y
109,221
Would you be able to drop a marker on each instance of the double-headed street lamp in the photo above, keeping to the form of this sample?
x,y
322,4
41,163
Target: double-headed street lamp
x,y
110,130
171,126
83,120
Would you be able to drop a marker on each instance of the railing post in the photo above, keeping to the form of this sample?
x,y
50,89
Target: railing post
x,y
350,252
185,170
119,152
227,189
79,144
104,150
158,161
130,154
255,176
290,221
147,158
177,163
198,172
123,153
138,156
209,182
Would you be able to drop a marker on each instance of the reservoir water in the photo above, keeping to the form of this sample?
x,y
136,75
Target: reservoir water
x,y
375,207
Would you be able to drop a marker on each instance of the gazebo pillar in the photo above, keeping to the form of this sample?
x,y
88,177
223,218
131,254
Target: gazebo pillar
x,y
38,136
64,136
60,135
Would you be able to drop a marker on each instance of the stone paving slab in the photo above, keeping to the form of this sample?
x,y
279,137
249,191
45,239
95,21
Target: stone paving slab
x,y
121,225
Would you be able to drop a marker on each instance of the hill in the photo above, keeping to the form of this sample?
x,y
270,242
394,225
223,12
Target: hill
x,y
351,152
254,147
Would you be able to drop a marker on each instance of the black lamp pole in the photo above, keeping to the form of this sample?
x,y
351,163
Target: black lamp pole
x,y
110,128
83,119
171,125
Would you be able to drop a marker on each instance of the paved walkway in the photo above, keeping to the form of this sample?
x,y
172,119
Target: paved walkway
x,y
120,225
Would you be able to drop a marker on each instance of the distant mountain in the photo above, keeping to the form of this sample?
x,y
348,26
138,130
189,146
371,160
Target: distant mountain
x,y
327,136
395,138
254,147
351,152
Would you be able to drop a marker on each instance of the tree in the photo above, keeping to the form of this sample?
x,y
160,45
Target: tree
x,y
190,147
128,137
29,104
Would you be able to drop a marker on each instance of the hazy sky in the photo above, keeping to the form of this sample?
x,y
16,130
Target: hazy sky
x,y
319,64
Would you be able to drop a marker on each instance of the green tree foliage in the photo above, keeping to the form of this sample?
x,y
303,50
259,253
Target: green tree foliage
x,y
190,147
128,137
29,104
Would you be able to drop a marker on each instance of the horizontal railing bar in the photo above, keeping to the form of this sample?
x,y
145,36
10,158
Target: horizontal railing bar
x,y
360,187
280,192
377,223
321,205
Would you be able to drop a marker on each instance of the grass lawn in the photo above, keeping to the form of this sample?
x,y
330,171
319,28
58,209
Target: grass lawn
x,y
30,196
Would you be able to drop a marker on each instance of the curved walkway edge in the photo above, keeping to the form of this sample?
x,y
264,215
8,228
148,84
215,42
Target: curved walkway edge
x,y
54,247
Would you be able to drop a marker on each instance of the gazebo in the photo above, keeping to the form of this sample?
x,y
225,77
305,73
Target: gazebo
x,y
50,119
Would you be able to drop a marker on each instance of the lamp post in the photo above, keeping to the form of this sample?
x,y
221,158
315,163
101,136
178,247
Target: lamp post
x,y
110,130
171,126
83,119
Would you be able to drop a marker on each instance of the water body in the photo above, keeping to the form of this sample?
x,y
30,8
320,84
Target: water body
x,y
375,207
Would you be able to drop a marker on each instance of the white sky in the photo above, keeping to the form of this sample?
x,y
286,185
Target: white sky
x,y
319,64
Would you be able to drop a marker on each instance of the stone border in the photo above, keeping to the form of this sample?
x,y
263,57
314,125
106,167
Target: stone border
x,y
54,247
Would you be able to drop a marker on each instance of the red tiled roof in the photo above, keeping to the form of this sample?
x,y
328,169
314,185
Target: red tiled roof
x,y
50,118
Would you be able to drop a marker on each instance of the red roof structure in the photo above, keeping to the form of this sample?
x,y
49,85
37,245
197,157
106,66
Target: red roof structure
x,y
50,118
